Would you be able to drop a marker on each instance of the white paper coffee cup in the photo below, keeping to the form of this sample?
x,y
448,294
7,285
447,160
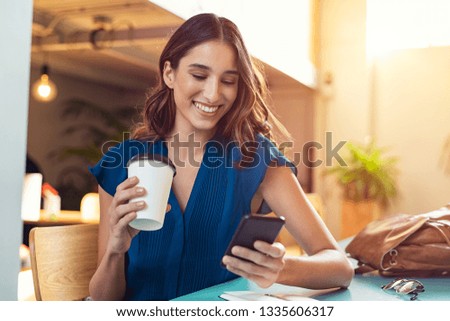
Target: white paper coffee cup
x,y
155,173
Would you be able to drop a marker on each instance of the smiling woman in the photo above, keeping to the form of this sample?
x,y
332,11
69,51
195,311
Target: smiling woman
x,y
209,90
204,86
218,43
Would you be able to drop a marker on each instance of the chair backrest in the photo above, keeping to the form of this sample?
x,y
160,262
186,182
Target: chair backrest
x,y
63,260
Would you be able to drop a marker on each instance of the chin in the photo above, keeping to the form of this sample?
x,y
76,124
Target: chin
x,y
204,127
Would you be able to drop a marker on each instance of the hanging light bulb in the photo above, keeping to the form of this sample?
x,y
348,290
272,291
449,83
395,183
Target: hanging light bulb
x,y
44,89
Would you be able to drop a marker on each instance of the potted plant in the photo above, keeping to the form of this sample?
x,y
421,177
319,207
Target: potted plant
x,y
368,182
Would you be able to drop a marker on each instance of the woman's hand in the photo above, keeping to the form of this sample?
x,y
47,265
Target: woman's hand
x,y
262,266
121,212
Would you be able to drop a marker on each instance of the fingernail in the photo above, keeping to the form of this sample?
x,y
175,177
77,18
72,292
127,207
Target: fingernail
x,y
133,179
139,190
140,204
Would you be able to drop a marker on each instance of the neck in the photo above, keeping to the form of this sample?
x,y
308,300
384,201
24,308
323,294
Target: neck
x,y
187,147
190,139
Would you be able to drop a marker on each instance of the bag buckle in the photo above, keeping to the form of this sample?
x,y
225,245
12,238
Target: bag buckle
x,y
393,253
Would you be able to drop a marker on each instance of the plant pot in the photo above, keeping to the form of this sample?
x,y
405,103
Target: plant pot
x,y
356,215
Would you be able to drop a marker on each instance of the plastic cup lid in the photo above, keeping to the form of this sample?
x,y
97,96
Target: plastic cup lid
x,y
155,157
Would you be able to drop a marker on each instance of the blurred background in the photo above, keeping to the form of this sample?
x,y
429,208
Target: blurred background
x,y
362,70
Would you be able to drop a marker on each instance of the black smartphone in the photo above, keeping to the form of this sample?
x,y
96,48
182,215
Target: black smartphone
x,y
253,228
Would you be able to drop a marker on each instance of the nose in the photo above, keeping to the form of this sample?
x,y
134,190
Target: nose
x,y
212,91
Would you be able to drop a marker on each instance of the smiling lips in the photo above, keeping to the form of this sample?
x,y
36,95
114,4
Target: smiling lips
x,y
206,109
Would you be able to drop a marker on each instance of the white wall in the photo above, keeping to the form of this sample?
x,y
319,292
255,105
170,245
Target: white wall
x,y
404,104
15,32
284,25
343,107
413,118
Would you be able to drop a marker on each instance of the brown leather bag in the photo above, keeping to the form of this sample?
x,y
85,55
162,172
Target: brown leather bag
x,y
405,245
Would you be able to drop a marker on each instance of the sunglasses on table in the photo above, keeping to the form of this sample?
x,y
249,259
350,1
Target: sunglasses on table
x,y
406,286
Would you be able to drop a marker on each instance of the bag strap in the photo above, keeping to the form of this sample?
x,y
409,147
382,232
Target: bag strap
x,y
439,227
363,268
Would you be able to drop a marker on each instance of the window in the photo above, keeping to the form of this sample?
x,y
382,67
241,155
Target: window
x,y
402,24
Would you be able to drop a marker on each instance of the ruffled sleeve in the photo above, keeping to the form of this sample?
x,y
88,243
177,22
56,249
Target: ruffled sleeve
x,y
265,154
111,170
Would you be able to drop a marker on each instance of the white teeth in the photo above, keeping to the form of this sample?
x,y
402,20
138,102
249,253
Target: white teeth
x,y
204,108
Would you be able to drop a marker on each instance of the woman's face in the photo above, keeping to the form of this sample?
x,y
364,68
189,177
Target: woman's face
x,y
205,85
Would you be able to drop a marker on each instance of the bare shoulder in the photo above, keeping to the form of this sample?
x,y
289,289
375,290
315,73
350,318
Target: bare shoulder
x,y
278,177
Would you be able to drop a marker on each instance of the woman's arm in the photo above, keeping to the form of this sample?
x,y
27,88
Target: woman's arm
x,y
108,282
325,266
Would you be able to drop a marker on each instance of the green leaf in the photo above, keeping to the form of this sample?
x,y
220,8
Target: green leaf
x,y
369,174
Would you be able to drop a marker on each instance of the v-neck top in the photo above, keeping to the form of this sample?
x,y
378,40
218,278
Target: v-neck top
x,y
184,255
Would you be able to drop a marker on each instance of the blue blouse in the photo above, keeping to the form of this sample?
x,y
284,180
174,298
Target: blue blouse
x,y
184,255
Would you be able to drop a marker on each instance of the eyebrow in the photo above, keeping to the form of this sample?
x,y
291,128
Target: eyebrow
x,y
200,66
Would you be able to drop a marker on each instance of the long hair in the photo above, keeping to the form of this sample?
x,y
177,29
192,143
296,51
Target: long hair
x,y
250,113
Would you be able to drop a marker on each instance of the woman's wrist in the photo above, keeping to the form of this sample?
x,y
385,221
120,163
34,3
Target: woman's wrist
x,y
113,254
323,270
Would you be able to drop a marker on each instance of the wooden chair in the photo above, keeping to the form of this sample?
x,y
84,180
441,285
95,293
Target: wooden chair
x,y
63,260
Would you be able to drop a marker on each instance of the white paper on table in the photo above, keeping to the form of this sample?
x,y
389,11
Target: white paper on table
x,y
297,294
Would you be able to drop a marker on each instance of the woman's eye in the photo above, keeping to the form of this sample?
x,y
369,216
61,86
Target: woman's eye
x,y
199,77
229,82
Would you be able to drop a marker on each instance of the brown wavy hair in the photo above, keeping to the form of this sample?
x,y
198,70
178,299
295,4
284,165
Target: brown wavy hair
x,y
250,113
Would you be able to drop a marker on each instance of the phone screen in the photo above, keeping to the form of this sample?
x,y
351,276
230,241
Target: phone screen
x,y
253,228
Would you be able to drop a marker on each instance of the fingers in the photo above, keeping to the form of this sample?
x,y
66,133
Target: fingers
x,y
134,206
125,220
121,205
130,207
262,266
118,212
254,261
267,255
238,264
126,184
274,250
121,234
128,190
123,209
262,276
260,280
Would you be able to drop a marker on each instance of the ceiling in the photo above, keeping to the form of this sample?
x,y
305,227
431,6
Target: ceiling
x,y
116,42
